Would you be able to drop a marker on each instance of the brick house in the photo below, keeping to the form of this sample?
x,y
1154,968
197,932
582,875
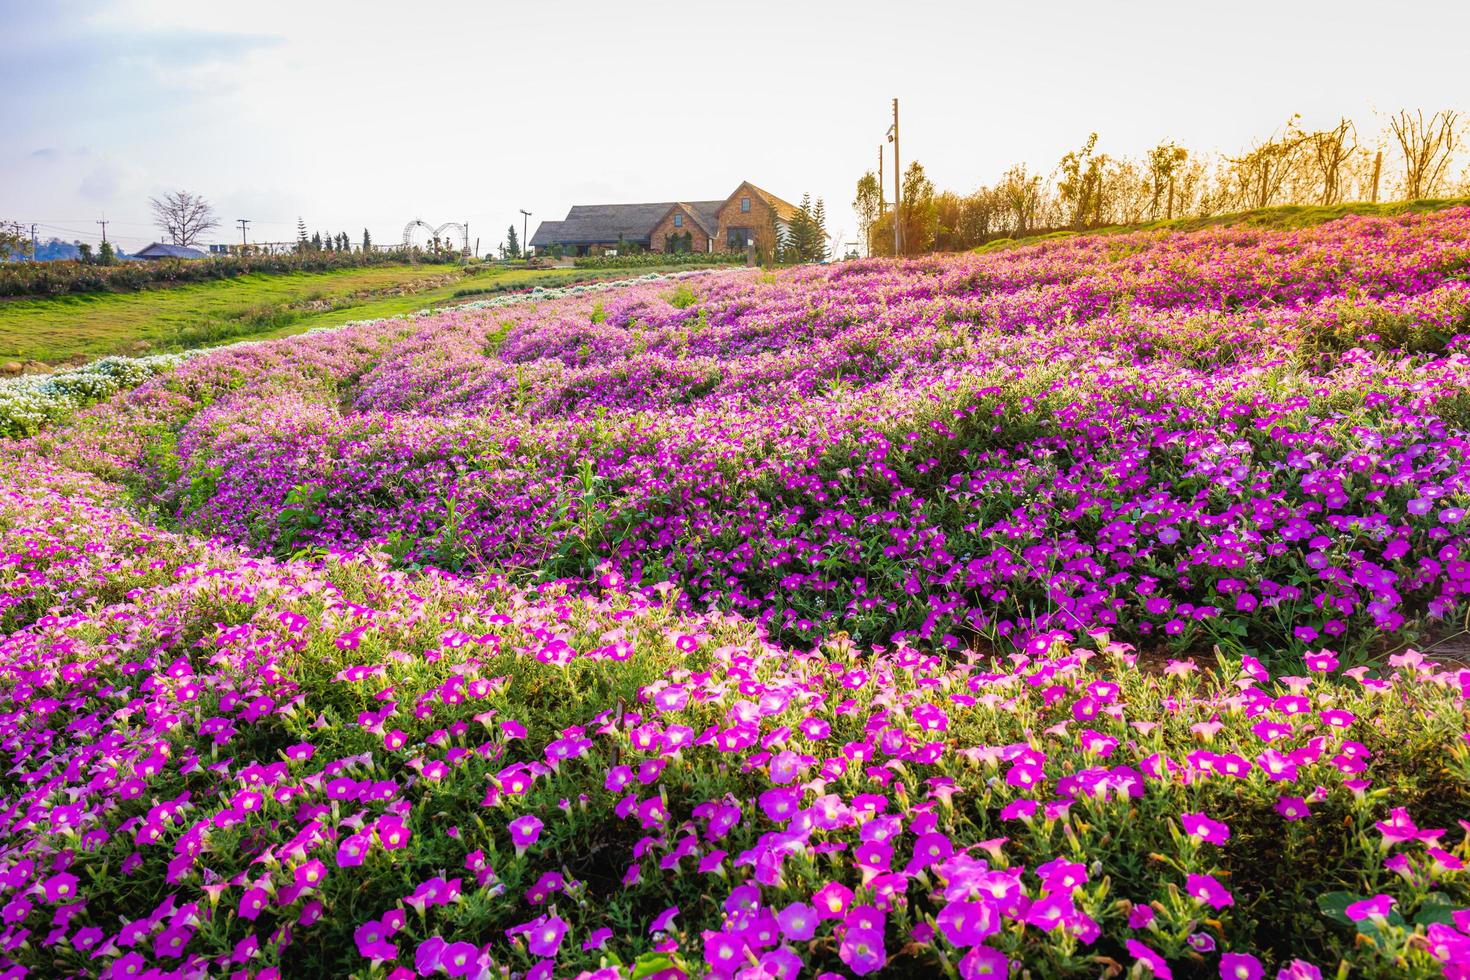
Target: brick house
x,y
749,214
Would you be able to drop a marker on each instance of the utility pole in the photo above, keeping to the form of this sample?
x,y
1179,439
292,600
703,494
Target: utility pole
x,y
103,223
242,222
897,186
33,242
525,224
882,204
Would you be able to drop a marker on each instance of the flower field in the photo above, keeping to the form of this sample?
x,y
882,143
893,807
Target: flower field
x,y
1070,611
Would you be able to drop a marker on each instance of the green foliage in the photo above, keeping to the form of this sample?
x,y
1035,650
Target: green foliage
x,y
62,278
652,260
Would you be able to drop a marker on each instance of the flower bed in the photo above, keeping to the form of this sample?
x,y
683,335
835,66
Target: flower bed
x,y
1052,613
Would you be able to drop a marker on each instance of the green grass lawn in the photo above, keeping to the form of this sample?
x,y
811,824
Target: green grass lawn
x,y
260,305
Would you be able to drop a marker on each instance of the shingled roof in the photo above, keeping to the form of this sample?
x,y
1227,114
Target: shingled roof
x,y
600,224
160,251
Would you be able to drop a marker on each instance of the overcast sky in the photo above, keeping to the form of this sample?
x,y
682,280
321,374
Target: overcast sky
x,y
372,113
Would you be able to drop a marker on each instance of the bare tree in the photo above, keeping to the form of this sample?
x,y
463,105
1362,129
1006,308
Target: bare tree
x,y
1263,171
182,216
1021,193
1330,151
1164,164
1427,149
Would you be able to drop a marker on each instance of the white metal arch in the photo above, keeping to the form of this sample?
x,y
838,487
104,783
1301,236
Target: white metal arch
x,y
462,229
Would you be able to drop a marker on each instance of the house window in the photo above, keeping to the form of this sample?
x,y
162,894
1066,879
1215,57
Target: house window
x,y
678,221
735,238
745,205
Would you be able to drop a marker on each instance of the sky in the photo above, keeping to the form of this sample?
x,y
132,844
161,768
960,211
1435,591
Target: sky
x,y
371,114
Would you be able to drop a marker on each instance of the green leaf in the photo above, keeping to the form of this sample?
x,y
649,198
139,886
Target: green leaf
x,y
1437,907
651,963
1334,905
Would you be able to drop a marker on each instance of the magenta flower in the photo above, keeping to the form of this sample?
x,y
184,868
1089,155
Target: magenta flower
x,y
252,903
723,952
524,832
1379,906
393,833
545,936
1240,966
967,923
983,962
1293,808
1155,963
1205,889
1299,970
664,919
831,900
459,959
1203,827
60,887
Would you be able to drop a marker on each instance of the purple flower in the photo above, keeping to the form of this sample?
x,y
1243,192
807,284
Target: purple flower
x,y
798,921
862,950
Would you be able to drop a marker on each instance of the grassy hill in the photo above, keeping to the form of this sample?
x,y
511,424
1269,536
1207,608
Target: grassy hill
x,y
1287,217
55,329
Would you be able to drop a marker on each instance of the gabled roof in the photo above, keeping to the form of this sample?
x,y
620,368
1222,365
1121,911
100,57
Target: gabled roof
x,y
707,220
784,209
160,251
594,224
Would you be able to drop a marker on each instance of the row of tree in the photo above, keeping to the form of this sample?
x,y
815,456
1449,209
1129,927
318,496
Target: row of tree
x,y
1413,157
329,242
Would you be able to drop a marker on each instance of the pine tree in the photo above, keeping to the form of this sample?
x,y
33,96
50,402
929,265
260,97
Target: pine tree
x,y
316,241
367,241
819,227
801,233
300,234
512,243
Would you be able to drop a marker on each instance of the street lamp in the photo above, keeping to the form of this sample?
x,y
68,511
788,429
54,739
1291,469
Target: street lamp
x,y
525,225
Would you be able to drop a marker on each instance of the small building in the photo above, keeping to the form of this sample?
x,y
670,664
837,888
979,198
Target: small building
x,y
160,251
726,225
